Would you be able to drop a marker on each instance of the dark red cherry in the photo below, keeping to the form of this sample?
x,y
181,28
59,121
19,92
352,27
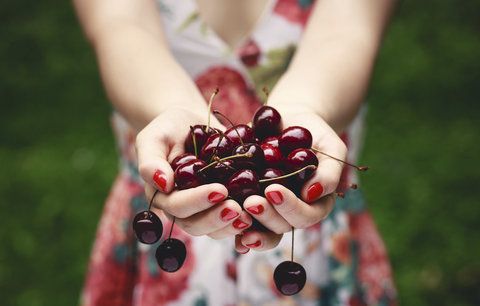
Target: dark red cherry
x,y
256,161
272,173
267,122
243,184
147,227
171,255
298,159
273,157
243,130
187,175
273,140
220,172
218,145
294,137
181,159
290,277
201,136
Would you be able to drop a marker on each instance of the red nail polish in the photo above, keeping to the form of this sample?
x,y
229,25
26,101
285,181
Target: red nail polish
x,y
227,214
274,197
256,210
314,192
255,244
215,197
160,179
239,224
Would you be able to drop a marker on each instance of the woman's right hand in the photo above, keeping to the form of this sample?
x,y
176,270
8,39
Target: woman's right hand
x,y
203,210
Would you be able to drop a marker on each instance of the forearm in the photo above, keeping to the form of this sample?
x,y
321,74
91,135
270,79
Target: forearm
x,y
332,66
141,77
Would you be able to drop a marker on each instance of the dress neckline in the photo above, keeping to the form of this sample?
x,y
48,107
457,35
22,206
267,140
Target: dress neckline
x,y
261,20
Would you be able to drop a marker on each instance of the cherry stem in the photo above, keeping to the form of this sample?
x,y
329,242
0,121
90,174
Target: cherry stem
x,y
222,135
359,168
220,160
266,92
217,159
194,140
313,167
171,228
151,201
293,241
210,102
229,121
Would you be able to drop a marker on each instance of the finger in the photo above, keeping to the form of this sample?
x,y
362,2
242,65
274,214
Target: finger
x,y
296,212
152,152
327,176
211,220
260,241
239,247
237,227
185,203
263,211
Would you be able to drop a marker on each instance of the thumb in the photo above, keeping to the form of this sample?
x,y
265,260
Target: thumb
x,y
152,152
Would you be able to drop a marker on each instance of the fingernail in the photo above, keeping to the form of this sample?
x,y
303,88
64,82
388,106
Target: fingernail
x,y
274,197
227,214
314,192
160,179
244,252
239,224
255,244
256,210
215,197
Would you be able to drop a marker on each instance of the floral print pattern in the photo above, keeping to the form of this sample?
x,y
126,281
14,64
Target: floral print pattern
x,y
344,256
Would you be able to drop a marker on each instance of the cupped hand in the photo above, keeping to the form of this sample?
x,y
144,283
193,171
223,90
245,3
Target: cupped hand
x,y
281,209
203,210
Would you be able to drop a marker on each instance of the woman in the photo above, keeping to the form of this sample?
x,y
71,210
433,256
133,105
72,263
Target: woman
x,y
159,60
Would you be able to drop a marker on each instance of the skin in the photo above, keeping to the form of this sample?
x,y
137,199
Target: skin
x,y
322,90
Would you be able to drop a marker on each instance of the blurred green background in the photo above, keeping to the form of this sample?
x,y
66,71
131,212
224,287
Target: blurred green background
x,y
58,159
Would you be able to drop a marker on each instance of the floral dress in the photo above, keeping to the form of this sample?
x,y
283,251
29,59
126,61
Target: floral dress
x,y
344,256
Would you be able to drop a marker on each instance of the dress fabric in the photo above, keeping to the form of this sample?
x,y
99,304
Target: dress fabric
x,y
344,256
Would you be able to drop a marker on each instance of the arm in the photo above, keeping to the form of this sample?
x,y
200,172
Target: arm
x,y
140,75
332,66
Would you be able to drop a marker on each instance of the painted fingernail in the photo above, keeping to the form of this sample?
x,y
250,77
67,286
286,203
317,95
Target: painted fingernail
x,y
215,197
256,244
239,224
160,179
256,210
314,192
274,197
227,214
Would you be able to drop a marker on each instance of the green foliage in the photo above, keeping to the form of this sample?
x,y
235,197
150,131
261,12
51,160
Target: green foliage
x,y
58,159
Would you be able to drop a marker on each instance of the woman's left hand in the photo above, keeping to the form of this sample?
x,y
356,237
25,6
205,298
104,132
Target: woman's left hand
x,y
281,209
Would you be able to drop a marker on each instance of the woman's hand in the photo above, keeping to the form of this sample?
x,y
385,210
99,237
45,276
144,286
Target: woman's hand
x,y
203,210
281,209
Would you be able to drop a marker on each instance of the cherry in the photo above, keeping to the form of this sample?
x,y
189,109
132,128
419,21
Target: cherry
x,y
217,145
273,140
298,159
273,156
220,172
171,255
181,159
267,122
147,227
188,175
201,135
243,184
256,159
294,137
271,173
290,277
240,134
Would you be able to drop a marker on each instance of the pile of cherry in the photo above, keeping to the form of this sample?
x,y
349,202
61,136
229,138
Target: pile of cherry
x,y
246,160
